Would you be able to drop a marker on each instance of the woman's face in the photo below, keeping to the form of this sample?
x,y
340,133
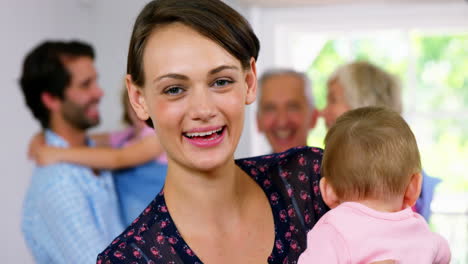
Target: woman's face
x,y
195,92
336,103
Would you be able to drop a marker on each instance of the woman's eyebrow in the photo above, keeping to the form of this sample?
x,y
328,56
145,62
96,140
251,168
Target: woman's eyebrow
x,y
184,78
172,76
223,67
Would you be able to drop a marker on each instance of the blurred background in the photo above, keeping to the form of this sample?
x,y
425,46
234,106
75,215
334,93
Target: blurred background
x,y
424,42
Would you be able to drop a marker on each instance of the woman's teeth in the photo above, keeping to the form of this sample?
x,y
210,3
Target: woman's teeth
x,y
203,134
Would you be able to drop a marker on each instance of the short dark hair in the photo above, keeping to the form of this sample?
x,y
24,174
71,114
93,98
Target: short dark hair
x,y
44,71
211,18
126,105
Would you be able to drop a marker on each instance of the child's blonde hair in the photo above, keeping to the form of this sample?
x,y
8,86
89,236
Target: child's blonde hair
x,y
370,153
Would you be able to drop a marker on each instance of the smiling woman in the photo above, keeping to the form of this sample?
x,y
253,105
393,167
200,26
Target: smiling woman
x,y
191,71
208,93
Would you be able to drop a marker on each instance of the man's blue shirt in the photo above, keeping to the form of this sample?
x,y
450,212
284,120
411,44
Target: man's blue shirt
x,y
69,214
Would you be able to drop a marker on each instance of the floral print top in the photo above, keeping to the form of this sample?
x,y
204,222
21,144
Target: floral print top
x,y
290,180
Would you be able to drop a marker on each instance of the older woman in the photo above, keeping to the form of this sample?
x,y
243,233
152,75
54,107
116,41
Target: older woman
x,y
361,84
357,85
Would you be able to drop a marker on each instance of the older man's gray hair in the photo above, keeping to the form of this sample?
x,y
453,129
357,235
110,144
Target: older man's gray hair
x,y
277,72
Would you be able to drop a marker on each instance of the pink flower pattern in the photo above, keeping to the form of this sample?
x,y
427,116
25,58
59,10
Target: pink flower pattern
x,y
289,180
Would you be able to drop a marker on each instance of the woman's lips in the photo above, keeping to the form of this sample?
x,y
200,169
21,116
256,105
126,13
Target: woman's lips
x,y
207,138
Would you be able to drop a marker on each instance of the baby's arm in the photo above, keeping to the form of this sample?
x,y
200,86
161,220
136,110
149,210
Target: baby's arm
x,y
142,151
324,245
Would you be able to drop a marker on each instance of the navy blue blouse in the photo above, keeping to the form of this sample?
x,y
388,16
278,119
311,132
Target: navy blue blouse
x,y
289,179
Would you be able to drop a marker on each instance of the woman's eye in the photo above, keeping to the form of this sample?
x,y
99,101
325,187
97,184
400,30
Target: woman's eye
x,y
222,82
173,90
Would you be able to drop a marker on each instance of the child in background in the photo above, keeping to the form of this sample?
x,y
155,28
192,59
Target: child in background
x,y
135,155
371,172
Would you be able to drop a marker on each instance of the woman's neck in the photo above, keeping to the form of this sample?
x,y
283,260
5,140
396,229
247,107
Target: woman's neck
x,y
217,196
220,185
229,206
138,128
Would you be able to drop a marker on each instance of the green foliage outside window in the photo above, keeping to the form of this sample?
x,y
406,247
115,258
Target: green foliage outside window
x,y
433,69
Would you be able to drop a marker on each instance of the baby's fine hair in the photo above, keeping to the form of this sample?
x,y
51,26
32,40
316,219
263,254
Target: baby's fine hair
x,y
370,153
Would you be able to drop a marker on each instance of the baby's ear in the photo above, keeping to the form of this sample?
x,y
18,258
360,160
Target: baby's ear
x,y
328,194
413,190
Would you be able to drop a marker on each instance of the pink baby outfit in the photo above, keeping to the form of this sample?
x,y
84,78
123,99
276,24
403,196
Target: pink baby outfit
x,y
355,234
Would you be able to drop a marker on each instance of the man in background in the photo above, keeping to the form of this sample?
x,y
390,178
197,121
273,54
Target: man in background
x,y
70,211
286,110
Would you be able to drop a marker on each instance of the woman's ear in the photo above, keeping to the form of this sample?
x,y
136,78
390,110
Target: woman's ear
x,y
328,194
413,190
137,99
251,81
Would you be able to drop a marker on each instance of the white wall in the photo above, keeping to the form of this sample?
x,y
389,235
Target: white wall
x,y
111,38
23,24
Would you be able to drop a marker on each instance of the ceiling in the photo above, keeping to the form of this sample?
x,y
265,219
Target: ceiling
x,y
292,3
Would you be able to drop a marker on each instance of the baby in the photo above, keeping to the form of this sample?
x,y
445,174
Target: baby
x,y
371,172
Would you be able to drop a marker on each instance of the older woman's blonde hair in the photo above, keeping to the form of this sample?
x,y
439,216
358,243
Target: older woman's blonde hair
x,y
365,84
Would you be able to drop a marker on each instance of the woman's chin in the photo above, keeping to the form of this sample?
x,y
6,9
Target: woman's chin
x,y
206,159
210,164
209,161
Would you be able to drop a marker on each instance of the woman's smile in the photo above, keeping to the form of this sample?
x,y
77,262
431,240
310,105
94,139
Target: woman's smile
x,y
196,97
205,137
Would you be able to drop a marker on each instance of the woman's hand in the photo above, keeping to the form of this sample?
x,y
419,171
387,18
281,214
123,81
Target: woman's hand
x,y
385,262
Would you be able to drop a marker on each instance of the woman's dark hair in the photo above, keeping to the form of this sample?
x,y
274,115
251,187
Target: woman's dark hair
x,y
125,104
44,71
211,18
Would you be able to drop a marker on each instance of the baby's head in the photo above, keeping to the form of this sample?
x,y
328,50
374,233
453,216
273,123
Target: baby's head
x,y
370,154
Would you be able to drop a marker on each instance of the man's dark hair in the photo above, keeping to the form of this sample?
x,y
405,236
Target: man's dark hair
x,y
44,71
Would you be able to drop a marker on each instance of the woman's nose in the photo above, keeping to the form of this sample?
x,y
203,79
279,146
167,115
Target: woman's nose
x,y
202,105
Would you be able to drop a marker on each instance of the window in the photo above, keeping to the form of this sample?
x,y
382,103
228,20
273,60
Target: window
x,y
433,69
425,45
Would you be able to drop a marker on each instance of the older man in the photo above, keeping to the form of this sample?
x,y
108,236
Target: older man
x,y
286,109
